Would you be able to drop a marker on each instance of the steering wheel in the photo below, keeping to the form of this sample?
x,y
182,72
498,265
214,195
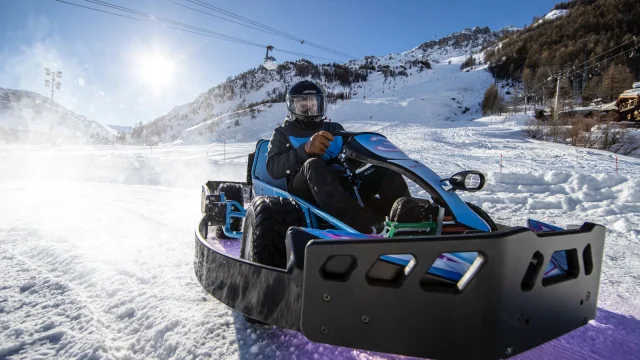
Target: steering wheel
x,y
346,137
343,133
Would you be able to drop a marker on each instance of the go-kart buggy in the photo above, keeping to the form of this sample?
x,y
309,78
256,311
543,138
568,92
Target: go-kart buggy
x,y
454,285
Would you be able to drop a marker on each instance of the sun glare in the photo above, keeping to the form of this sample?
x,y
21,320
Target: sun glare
x,y
155,69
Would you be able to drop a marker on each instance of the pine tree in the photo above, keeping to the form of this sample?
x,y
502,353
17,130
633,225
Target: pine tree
x,y
491,102
542,86
617,79
592,89
469,62
528,78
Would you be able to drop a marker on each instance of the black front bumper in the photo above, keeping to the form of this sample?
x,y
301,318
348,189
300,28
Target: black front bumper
x,y
506,309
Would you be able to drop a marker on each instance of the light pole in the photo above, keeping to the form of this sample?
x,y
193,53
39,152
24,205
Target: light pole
x,y
52,83
555,112
555,134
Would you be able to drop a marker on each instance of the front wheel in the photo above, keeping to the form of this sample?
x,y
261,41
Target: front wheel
x,y
484,216
265,230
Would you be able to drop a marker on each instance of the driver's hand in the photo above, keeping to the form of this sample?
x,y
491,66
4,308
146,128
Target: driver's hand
x,y
319,143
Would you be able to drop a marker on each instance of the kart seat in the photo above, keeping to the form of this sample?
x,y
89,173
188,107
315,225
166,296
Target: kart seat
x,y
260,167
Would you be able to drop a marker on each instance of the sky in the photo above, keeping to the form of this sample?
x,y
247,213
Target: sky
x,y
121,71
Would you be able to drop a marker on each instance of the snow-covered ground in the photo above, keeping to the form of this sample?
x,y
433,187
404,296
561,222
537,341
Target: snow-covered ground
x,y
96,243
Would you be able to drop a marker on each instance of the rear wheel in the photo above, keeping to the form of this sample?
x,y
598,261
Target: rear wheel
x,y
265,229
231,192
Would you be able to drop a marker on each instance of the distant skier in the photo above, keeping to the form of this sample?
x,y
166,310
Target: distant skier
x,y
299,151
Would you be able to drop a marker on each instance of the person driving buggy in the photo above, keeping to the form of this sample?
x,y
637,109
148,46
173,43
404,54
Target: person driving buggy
x,y
303,151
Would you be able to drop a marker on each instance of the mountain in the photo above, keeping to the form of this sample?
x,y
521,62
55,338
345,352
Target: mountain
x,y
356,79
120,128
582,38
460,43
28,117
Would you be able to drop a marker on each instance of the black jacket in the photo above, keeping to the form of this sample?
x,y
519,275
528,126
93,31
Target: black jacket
x,y
286,149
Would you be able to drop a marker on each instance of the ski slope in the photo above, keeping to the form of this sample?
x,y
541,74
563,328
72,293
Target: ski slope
x,y
97,245
433,98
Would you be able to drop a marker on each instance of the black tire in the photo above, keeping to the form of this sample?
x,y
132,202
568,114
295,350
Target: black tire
x,y
203,196
484,216
265,229
231,192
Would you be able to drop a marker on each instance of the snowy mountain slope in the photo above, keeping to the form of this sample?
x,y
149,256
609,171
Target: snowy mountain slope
x,y
373,74
29,117
459,44
101,264
553,15
120,128
239,126
430,98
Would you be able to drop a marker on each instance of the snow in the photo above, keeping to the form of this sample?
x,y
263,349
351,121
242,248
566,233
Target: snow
x,y
509,29
458,44
97,242
632,92
556,14
553,15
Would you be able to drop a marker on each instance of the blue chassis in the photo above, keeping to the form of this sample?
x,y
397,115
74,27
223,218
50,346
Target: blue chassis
x,y
311,213
558,261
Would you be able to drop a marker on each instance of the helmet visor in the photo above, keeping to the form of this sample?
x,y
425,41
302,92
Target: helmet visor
x,y
306,105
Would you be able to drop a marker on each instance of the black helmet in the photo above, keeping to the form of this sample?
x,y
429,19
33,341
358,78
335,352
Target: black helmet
x,y
306,101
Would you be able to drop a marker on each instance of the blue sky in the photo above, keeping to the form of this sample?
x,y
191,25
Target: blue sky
x,y
120,71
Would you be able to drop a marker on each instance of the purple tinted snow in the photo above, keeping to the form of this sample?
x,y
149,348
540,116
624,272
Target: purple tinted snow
x,y
610,336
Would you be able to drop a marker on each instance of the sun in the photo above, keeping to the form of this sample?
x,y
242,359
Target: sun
x,y
155,69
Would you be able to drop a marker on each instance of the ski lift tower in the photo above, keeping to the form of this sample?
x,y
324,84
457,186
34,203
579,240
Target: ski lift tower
x,y
53,84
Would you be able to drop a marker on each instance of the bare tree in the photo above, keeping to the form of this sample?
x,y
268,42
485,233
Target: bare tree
x,y
535,129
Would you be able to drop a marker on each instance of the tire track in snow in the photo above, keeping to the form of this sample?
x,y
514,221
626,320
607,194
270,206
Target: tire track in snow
x,y
148,318
42,311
